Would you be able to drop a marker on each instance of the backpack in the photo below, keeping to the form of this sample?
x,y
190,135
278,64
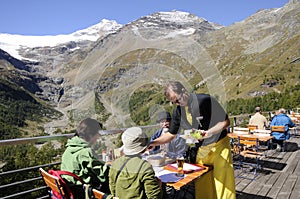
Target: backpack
x,y
68,193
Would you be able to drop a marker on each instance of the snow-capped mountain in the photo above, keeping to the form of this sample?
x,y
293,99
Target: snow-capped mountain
x,y
12,43
106,56
179,18
57,59
174,23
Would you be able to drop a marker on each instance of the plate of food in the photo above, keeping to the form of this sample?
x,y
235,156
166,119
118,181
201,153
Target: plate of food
x,y
193,136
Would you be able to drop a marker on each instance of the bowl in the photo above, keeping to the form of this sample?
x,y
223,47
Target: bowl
x,y
156,160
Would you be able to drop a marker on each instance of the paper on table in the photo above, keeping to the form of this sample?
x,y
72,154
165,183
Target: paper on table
x,y
262,135
241,132
168,176
187,167
162,172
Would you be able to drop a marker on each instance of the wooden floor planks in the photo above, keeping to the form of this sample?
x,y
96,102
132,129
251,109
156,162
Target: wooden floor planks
x,y
279,179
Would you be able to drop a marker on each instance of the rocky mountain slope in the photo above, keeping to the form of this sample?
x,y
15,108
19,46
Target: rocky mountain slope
x,y
259,54
84,77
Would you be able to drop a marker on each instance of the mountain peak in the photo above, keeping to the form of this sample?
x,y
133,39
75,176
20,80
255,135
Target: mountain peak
x,y
170,24
107,26
172,17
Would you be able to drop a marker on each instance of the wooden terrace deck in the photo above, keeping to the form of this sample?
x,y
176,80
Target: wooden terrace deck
x,y
280,177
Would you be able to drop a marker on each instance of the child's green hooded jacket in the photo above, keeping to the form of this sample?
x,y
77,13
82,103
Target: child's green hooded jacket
x,y
80,159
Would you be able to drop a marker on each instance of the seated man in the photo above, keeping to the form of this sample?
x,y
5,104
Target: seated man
x,y
130,176
281,119
258,119
174,148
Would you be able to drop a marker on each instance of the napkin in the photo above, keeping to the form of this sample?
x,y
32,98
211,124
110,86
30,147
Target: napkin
x,y
170,177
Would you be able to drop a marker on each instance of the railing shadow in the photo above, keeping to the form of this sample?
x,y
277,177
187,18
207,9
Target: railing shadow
x,y
275,165
266,164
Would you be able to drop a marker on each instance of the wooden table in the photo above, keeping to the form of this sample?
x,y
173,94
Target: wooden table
x,y
188,178
264,137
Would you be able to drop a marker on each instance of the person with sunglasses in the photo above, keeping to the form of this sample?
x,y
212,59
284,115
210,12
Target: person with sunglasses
x,y
202,111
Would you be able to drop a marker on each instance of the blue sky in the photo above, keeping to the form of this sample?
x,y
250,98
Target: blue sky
x,y
52,17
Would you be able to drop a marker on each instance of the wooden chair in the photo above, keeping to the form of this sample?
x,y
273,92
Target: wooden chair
x,y
279,129
99,194
52,183
249,148
94,193
252,127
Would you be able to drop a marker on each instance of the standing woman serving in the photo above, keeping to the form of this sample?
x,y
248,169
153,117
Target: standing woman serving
x,y
201,111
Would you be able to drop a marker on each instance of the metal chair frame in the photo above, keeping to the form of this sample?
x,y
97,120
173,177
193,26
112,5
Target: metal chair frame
x,y
249,148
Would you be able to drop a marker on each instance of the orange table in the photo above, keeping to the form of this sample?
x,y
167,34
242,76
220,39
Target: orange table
x,y
189,177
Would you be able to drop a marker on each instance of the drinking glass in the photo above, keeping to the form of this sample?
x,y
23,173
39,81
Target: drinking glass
x,y
180,163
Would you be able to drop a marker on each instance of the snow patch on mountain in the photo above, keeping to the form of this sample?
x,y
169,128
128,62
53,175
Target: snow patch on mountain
x,y
12,43
177,16
188,31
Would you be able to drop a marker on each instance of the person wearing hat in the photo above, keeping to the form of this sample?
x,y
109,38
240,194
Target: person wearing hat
x,y
175,147
79,158
258,119
130,176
